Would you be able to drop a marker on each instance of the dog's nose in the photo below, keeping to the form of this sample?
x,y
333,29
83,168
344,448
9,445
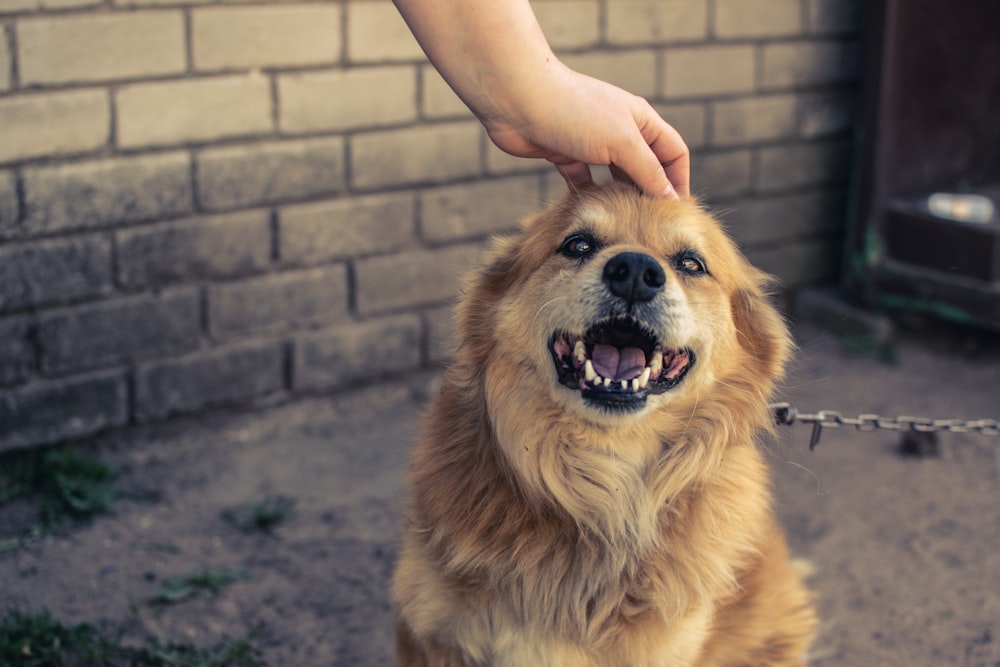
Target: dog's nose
x,y
634,276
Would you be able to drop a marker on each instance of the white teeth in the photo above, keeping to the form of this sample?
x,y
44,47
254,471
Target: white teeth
x,y
579,351
656,362
607,382
588,371
635,384
624,384
644,378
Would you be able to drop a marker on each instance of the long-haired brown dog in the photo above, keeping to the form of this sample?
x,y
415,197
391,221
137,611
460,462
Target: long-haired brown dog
x,y
588,490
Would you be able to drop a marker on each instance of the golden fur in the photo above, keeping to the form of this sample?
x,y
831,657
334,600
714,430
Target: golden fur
x,y
544,529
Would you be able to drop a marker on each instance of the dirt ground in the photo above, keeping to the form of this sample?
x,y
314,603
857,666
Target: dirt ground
x,y
906,550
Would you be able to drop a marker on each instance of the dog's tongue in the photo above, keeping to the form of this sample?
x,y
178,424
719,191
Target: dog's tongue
x,y
618,364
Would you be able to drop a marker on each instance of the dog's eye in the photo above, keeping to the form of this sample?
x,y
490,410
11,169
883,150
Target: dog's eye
x,y
691,264
577,246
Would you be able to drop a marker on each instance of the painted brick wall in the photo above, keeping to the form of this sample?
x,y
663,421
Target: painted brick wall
x,y
208,203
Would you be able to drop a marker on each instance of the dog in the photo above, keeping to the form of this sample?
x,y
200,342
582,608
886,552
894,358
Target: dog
x,y
588,488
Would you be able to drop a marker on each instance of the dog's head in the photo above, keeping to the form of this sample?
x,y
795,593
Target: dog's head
x,y
611,305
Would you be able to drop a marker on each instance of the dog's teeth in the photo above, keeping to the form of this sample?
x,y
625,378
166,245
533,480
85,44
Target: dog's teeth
x,y
644,378
580,351
607,382
624,384
635,384
588,370
656,362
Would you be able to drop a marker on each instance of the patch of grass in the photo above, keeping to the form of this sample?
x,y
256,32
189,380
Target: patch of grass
x,y
36,640
66,485
263,515
178,589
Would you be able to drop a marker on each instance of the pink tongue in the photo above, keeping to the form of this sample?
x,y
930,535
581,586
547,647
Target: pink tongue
x,y
623,364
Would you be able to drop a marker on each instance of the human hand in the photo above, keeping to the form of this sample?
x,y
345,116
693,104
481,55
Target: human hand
x,y
579,121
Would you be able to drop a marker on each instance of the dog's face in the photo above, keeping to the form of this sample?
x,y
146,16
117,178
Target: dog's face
x,y
614,305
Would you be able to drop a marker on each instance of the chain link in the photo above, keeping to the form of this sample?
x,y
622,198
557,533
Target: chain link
x,y
787,415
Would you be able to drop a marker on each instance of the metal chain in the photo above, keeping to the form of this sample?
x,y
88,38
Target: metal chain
x,y
787,415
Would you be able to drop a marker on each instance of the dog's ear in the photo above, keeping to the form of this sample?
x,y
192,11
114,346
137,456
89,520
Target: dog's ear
x,y
761,330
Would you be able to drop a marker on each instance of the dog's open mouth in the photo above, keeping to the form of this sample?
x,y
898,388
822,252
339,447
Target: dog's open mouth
x,y
616,364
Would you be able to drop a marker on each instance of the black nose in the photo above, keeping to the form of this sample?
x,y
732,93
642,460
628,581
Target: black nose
x,y
634,276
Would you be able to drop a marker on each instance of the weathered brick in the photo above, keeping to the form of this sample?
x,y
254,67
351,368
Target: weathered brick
x,y
278,301
359,351
785,167
154,3
223,246
377,33
176,112
343,228
102,193
266,173
438,100
761,221
421,277
9,207
46,412
826,113
708,70
795,64
753,119
720,175
474,210
99,47
834,16
341,100
43,124
569,24
207,379
415,155
757,18
800,263
633,70
5,63
47,272
268,36
688,118
439,323
17,354
13,6
119,331
656,21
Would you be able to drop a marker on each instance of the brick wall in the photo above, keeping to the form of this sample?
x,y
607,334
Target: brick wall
x,y
208,203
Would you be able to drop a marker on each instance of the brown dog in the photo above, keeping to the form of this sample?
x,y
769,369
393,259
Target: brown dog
x,y
588,490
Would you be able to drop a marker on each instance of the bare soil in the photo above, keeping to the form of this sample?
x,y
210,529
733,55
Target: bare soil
x,y
906,550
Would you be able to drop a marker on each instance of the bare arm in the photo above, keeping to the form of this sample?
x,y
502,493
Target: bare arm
x,y
495,57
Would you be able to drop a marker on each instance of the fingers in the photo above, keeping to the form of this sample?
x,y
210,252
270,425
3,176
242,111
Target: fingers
x,y
659,162
576,173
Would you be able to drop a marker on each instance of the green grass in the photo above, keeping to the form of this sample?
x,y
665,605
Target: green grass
x,y
37,640
262,515
178,589
66,485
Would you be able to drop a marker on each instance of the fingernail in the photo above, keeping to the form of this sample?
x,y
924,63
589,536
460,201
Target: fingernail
x,y
670,193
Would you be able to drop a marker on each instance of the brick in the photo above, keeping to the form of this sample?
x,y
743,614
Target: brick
x,y
208,379
100,47
51,272
9,206
415,155
764,221
708,70
47,412
437,98
827,113
177,112
278,301
119,331
797,64
361,351
268,36
377,33
792,166
103,193
155,3
569,24
469,211
834,16
757,18
320,232
44,124
720,175
342,100
267,173
656,21
633,70
5,63
17,354
801,263
222,246
439,323
690,119
417,278
754,119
